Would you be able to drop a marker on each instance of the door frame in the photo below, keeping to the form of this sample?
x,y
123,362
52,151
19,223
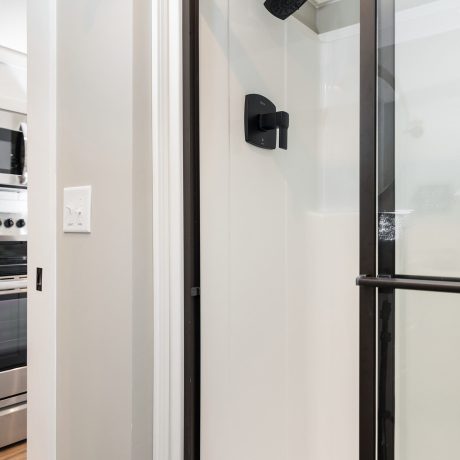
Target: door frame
x,y
192,278
172,134
42,306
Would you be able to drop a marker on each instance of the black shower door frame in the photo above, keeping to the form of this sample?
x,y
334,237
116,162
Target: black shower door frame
x,y
378,280
191,197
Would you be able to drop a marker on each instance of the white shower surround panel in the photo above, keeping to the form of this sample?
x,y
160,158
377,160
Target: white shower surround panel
x,y
279,340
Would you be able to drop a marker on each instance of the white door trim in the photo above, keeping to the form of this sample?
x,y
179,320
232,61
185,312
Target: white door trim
x,y
168,229
41,310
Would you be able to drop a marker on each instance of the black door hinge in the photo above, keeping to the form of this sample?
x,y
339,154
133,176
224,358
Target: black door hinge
x,y
196,291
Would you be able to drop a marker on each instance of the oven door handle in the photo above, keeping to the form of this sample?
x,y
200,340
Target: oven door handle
x,y
12,286
12,291
13,410
24,175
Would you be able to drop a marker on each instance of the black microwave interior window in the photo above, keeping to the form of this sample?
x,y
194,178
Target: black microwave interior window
x,y
12,152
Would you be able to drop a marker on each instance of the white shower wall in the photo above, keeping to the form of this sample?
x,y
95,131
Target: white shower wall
x,y
279,240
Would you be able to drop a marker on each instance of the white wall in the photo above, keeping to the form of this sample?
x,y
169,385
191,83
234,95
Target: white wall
x,y
279,343
104,279
13,59
142,258
13,25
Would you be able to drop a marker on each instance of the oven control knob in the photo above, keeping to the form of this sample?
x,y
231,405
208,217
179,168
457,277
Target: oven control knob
x,y
9,223
21,223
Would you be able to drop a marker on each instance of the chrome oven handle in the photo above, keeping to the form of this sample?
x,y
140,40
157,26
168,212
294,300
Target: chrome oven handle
x,y
13,291
24,175
13,286
12,283
13,410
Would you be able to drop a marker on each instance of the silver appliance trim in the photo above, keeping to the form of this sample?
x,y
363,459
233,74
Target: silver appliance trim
x,y
14,401
12,410
11,180
24,176
13,425
18,227
15,180
13,238
10,119
13,291
13,382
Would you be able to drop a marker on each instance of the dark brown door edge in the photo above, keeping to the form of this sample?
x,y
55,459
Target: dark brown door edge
x,y
191,167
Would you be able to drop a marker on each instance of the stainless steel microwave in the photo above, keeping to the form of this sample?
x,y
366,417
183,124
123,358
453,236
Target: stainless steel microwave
x,y
13,151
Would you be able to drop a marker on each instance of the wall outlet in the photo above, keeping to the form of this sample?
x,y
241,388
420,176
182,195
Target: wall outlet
x,y
77,209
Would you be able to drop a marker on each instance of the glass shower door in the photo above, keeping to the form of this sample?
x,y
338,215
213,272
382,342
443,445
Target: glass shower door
x,y
427,228
410,230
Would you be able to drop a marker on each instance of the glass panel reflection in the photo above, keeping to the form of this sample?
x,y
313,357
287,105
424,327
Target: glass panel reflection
x,y
427,138
427,383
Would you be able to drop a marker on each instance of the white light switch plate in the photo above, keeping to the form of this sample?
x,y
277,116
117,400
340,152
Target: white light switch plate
x,y
77,209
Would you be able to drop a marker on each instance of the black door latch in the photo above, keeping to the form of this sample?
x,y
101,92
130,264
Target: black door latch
x,y
39,279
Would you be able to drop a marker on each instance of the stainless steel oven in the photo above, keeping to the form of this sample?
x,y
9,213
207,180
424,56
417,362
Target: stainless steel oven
x,y
13,315
13,360
13,150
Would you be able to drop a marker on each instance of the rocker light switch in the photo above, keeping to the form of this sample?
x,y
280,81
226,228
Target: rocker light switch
x,y
77,209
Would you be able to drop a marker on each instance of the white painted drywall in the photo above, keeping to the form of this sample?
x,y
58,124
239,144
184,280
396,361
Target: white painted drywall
x,y
104,280
13,58
13,25
142,258
279,342
13,81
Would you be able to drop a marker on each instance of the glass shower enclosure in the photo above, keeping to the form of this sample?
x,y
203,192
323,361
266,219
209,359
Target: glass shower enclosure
x,y
285,357
410,216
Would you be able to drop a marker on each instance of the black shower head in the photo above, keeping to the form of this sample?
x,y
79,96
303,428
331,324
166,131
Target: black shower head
x,y
282,9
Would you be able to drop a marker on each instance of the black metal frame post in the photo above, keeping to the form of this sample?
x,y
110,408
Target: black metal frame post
x,y
377,172
376,411
368,216
386,232
191,165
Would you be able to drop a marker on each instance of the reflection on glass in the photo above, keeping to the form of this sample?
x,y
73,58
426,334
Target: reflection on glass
x,y
13,331
427,138
427,422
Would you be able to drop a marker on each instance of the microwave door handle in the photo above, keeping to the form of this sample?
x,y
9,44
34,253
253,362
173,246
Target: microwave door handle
x,y
24,176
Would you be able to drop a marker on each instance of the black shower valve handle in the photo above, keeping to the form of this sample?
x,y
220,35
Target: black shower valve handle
x,y
267,121
282,119
270,121
262,122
